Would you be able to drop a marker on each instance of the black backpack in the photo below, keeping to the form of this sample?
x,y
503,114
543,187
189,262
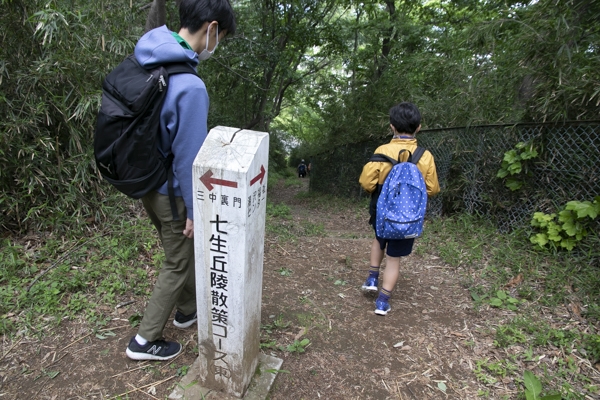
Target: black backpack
x,y
128,128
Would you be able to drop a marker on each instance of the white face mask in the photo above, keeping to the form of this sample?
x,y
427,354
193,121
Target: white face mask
x,y
205,54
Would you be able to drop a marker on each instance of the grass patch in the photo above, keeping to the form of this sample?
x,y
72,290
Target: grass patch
x,y
47,278
274,177
279,223
490,261
505,271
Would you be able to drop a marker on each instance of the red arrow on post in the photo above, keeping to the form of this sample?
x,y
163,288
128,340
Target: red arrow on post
x,y
209,181
260,177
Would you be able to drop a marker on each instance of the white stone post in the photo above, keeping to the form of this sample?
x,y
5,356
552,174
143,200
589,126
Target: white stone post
x,y
230,188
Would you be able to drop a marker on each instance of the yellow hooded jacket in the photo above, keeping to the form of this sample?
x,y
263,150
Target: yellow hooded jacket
x,y
374,172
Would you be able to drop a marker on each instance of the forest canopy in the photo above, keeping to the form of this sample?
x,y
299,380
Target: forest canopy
x,y
314,72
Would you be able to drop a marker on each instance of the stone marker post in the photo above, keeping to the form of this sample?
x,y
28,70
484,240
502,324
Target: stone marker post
x,y
230,188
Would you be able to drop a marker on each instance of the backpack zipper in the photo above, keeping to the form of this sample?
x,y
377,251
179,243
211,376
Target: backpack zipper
x,y
161,83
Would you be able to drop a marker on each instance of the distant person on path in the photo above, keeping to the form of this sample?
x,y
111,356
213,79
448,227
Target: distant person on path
x,y
183,122
302,169
405,122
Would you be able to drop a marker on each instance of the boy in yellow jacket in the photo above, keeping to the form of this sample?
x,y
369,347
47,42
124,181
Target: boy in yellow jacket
x,y
405,121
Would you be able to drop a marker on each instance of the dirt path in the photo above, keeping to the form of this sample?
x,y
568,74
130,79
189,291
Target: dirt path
x,y
423,349
355,354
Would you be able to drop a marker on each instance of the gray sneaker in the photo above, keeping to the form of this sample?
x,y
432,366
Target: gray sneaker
x,y
184,321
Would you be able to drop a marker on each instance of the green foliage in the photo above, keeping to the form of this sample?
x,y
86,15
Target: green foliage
x,y
507,335
283,271
592,347
277,152
51,68
299,346
314,74
498,369
280,210
570,228
504,300
533,388
515,162
279,222
67,277
278,324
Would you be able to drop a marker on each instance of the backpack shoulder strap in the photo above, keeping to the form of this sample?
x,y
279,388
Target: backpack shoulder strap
x,y
378,157
172,68
416,156
180,68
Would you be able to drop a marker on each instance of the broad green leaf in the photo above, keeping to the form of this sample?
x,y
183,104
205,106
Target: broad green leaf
x,y
568,243
514,184
510,156
536,219
566,216
542,219
501,294
527,155
570,227
515,168
502,173
52,374
495,302
532,384
555,237
583,209
541,239
442,386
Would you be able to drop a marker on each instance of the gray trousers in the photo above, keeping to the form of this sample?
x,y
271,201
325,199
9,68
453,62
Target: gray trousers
x,y
175,286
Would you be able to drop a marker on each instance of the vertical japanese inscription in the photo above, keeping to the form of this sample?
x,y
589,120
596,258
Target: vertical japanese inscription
x,y
219,291
255,198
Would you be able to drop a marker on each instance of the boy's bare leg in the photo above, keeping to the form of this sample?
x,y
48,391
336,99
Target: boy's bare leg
x,y
376,253
392,270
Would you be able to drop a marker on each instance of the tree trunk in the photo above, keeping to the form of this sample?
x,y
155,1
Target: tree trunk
x,y
157,15
382,62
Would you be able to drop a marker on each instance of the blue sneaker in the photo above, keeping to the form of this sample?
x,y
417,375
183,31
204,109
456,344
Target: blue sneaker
x,y
370,284
382,307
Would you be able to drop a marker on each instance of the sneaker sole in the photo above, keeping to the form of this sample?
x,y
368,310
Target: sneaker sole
x,y
145,356
383,312
183,325
369,288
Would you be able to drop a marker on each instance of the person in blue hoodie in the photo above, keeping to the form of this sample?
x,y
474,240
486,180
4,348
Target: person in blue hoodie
x,y
183,123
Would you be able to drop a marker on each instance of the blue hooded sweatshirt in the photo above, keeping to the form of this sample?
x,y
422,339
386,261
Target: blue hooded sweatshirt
x,y
183,118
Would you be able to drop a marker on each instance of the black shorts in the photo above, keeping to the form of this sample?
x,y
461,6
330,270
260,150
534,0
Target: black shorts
x,y
396,247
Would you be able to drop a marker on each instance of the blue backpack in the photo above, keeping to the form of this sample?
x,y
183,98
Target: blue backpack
x,y
402,202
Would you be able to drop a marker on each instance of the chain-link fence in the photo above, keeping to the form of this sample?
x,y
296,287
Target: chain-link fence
x,y
567,167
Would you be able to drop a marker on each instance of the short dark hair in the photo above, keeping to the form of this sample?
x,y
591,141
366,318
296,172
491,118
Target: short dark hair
x,y
405,117
194,13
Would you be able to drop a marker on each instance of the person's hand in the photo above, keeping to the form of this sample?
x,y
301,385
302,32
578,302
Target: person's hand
x,y
189,229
